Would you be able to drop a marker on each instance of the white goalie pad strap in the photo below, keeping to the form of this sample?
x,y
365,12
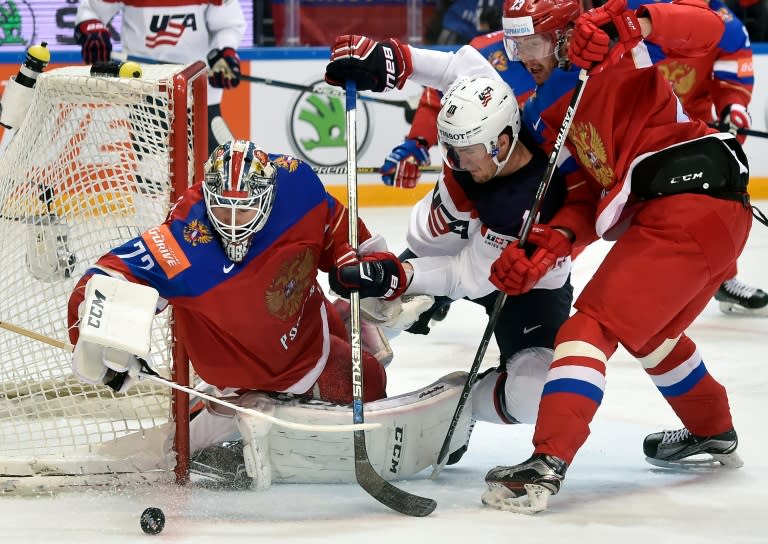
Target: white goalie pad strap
x,y
398,314
118,314
413,428
255,432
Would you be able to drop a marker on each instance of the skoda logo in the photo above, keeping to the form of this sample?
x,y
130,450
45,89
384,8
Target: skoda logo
x,y
318,128
17,23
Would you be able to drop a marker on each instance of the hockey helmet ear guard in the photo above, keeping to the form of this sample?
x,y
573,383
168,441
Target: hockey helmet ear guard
x,y
239,191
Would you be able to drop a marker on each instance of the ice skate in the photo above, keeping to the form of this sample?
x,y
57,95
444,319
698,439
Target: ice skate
x,y
220,466
680,448
525,488
736,297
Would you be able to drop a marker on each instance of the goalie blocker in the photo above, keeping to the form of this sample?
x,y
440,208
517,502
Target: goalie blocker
x,y
413,427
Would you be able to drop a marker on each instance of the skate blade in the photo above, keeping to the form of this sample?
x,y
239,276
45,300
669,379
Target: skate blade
x,y
702,463
534,501
732,308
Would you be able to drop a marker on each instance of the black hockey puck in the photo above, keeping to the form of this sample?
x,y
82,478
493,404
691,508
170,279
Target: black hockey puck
x,y
152,521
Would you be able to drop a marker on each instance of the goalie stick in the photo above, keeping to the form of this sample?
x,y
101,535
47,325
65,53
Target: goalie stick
x,y
501,297
370,480
150,374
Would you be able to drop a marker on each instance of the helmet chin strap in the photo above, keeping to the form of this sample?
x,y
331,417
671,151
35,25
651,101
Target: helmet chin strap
x,y
500,165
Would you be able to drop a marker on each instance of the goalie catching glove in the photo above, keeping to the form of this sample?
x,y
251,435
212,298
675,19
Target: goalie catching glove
x,y
114,332
374,66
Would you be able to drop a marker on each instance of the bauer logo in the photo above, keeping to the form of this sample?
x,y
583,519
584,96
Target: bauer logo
x,y
317,127
17,23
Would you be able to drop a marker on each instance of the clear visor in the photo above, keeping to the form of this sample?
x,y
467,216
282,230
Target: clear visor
x,y
529,48
466,157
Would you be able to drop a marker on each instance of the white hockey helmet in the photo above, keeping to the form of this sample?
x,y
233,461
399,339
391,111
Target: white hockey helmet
x,y
474,113
239,191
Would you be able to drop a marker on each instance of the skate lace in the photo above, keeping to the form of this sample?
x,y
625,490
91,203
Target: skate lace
x,y
680,435
738,289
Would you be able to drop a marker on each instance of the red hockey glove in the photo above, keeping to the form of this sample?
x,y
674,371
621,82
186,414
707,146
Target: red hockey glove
x,y
401,168
224,70
603,35
374,66
94,38
378,275
732,118
515,273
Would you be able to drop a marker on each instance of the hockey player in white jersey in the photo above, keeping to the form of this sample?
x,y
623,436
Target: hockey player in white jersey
x,y
176,33
491,175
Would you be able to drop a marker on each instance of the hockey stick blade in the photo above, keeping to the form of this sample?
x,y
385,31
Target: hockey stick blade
x,y
384,492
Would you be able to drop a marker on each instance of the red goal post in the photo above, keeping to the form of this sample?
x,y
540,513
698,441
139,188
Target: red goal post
x,y
96,162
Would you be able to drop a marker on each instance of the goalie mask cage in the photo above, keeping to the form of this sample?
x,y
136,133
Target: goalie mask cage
x,y
97,161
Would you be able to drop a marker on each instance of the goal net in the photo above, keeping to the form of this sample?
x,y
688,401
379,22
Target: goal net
x,y
97,161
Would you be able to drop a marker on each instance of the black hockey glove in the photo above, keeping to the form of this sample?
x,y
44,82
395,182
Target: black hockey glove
x,y
224,66
379,275
94,38
374,66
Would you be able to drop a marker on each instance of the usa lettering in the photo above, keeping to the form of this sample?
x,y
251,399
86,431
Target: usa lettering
x,y
160,23
97,310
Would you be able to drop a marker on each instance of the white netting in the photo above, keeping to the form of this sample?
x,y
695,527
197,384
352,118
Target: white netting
x,y
89,169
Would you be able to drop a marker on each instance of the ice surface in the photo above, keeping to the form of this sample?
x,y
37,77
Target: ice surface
x,y
610,494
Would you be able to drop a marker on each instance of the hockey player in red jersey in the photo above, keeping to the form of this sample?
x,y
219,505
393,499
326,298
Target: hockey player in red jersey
x,y
717,88
175,32
670,190
672,193
238,258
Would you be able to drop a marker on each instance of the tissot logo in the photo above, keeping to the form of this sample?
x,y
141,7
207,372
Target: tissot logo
x,y
317,128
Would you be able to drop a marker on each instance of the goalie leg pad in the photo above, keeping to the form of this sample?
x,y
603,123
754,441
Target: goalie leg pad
x,y
409,440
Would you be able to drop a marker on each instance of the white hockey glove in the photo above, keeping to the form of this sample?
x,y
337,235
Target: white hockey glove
x,y
115,326
398,314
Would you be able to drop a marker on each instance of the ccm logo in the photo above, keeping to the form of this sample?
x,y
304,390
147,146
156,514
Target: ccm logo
x,y
397,450
686,177
97,309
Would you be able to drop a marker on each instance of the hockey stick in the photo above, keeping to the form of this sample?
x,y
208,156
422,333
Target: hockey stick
x,y
744,131
376,486
149,374
366,169
501,298
409,105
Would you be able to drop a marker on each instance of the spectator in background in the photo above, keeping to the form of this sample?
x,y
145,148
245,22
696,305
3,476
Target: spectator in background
x,y
175,33
462,20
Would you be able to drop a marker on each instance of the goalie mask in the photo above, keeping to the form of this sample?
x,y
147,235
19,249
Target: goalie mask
x,y
474,113
239,190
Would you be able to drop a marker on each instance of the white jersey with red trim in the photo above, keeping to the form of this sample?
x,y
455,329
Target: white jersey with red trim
x,y
177,31
460,228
